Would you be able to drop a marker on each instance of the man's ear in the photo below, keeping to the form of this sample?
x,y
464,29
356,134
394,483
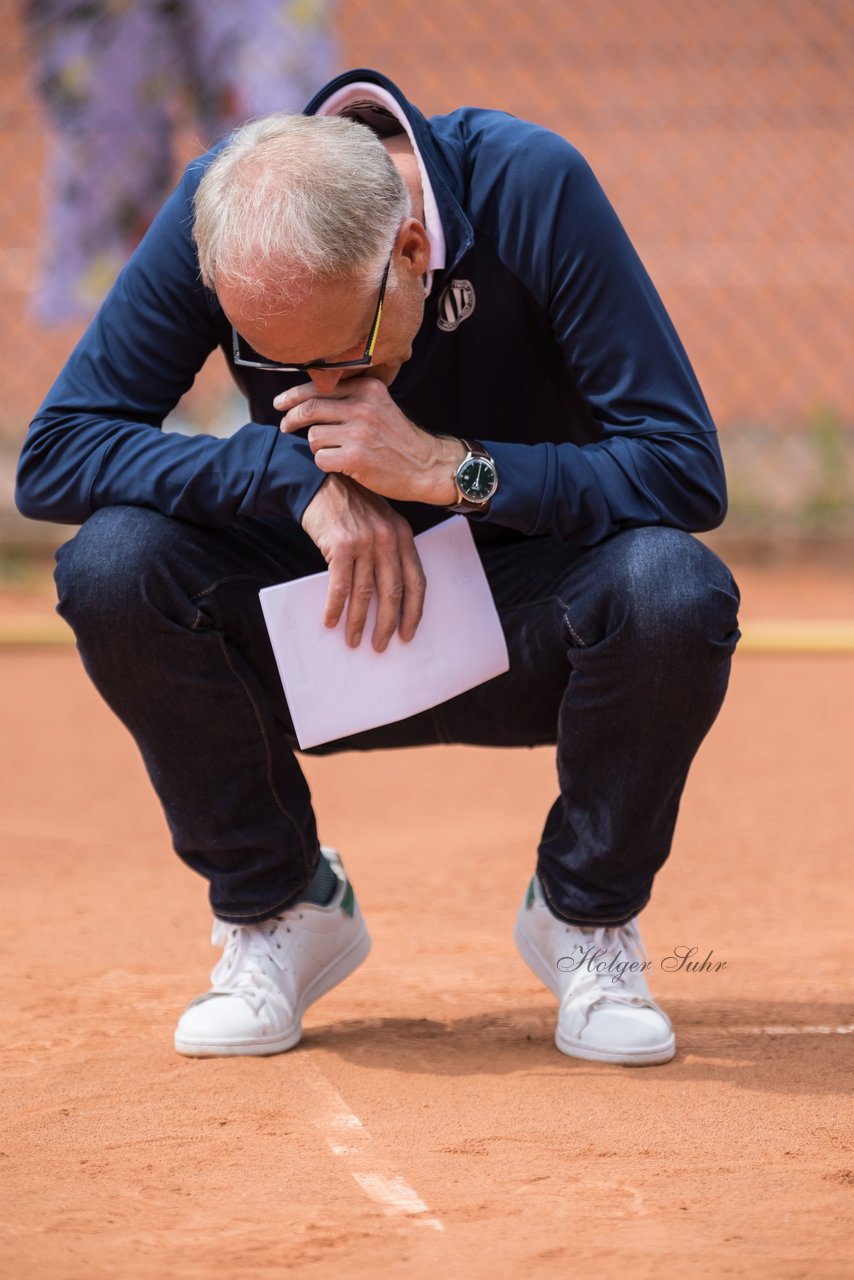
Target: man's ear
x,y
413,245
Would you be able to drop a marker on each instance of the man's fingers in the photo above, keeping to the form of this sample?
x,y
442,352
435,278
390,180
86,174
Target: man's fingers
x,y
327,444
287,400
391,569
340,586
361,594
369,550
388,574
315,411
414,586
379,570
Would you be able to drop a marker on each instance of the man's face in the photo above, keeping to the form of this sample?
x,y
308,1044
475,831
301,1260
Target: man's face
x,y
333,322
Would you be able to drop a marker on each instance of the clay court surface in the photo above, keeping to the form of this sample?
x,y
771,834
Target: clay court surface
x,y
427,1126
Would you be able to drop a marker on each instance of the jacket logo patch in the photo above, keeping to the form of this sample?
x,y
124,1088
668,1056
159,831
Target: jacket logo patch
x,y
456,303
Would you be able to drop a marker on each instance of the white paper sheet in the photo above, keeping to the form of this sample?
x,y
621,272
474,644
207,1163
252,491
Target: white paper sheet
x,y
333,690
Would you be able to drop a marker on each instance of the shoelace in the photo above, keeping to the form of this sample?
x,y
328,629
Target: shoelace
x,y
243,968
588,986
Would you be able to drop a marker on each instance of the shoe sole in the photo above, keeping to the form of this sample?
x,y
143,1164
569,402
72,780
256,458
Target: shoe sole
x,y
649,1058
538,964
343,965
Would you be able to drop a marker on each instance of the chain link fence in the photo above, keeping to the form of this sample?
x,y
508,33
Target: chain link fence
x,y
720,132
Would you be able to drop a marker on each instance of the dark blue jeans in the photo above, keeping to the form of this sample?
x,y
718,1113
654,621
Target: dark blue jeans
x,y
619,655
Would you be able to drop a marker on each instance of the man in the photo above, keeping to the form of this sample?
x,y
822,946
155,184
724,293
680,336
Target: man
x,y
424,317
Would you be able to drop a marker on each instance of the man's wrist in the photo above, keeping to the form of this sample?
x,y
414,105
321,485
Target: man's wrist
x,y
449,454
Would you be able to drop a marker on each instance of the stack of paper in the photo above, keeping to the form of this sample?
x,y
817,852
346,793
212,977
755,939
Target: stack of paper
x,y
334,690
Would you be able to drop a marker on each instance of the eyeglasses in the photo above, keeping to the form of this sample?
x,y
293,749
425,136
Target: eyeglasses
x,y
244,354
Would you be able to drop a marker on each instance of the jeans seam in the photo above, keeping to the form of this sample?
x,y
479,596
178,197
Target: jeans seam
x,y
534,604
206,591
551,598
570,628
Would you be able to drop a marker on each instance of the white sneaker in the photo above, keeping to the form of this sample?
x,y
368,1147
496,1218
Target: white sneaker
x,y
270,973
606,1011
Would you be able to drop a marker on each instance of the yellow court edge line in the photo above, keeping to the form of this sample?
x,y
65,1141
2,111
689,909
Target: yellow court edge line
x,y
27,631
771,636
789,636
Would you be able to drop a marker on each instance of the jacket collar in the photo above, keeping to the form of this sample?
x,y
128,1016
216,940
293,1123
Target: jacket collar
x,y
459,236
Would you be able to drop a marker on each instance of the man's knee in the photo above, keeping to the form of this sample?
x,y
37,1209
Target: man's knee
x,y
663,588
109,570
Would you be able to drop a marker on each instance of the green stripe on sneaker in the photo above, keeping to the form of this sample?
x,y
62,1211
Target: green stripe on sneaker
x,y
529,901
348,901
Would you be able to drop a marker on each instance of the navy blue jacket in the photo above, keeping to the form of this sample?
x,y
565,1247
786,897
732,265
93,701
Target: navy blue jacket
x,y
568,368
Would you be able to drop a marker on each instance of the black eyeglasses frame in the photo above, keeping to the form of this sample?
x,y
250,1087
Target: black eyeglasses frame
x,y
364,361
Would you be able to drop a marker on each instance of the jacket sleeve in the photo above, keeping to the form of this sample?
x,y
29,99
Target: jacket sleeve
x,y
96,439
657,461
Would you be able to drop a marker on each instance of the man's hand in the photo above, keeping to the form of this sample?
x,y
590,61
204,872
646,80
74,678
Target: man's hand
x,y
357,430
369,548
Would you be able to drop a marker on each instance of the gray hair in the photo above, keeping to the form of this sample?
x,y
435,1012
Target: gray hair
x,y
292,199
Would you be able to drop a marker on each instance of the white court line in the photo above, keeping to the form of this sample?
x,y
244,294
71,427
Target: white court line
x,y
845,1030
394,1191
347,1138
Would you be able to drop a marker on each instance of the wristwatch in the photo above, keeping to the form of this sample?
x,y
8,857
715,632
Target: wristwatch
x,y
476,479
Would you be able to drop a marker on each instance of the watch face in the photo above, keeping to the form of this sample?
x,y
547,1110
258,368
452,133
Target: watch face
x,y
476,479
